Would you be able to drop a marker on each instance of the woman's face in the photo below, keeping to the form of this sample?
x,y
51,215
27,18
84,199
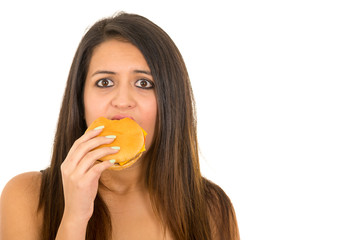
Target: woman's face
x,y
119,84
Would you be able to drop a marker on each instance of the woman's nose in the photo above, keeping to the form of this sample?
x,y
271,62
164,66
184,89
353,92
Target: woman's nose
x,y
123,98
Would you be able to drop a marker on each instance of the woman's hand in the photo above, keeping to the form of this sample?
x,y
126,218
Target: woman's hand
x,y
81,173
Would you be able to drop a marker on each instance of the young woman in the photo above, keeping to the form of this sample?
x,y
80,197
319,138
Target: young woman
x,y
125,66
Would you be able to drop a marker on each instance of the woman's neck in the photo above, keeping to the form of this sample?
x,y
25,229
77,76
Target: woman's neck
x,y
124,181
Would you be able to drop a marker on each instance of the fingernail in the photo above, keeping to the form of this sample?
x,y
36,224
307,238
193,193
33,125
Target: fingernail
x,y
97,128
115,147
112,161
111,136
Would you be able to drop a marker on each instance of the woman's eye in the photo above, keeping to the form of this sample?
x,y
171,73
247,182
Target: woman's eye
x,y
104,83
146,84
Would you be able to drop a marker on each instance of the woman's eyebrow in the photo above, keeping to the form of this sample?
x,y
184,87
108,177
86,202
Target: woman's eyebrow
x,y
143,71
113,73
103,72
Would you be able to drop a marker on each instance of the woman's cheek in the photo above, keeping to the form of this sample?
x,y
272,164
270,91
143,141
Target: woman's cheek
x,y
94,108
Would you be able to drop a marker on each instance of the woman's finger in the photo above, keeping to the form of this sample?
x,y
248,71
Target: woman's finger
x,y
91,157
94,173
85,137
89,145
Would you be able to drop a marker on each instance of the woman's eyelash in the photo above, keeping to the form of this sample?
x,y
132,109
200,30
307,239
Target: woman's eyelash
x,y
144,84
104,83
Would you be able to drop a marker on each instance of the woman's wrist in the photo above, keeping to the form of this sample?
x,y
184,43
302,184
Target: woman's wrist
x,y
72,227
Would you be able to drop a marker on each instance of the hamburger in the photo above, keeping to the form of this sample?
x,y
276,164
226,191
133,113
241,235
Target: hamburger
x,y
130,137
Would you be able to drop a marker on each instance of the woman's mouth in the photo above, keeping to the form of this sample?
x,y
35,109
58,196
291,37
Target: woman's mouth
x,y
119,117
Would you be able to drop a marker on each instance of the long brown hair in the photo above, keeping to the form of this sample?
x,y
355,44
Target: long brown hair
x,y
190,206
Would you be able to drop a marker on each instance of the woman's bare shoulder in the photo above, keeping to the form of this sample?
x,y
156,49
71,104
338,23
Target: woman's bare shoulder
x,y
19,215
221,212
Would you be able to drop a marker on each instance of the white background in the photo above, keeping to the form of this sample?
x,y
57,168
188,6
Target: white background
x,y
278,93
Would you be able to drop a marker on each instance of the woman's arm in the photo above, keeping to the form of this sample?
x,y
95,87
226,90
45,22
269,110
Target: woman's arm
x,y
80,176
19,215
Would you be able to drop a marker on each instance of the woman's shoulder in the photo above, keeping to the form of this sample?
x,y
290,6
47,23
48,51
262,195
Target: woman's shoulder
x,y
19,215
215,195
25,184
221,212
